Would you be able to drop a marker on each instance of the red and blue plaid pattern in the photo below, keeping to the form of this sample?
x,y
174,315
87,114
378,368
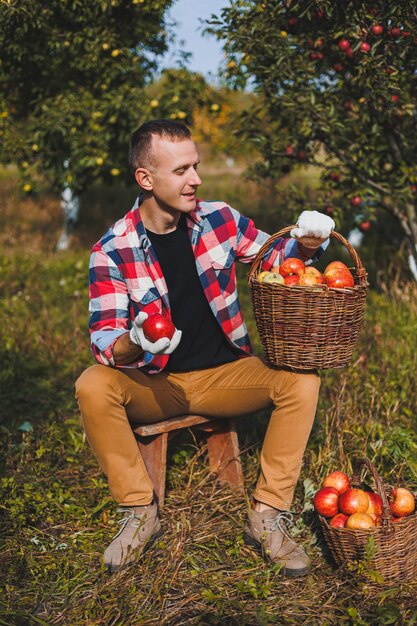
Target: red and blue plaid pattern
x,y
125,276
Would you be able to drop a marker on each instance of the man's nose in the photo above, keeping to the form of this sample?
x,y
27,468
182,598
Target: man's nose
x,y
195,178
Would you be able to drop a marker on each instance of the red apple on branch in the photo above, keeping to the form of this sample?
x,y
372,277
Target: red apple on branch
x,y
377,29
344,44
356,201
157,326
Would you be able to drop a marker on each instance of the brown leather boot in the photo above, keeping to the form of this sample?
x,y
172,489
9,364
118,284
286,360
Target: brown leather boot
x,y
267,533
139,529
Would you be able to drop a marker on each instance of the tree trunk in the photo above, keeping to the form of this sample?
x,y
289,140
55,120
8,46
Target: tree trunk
x,y
70,204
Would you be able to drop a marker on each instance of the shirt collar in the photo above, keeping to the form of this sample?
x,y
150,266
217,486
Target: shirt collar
x,y
196,216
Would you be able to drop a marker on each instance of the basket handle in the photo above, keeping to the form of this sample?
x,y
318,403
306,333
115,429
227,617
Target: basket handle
x,y
360,271
362,461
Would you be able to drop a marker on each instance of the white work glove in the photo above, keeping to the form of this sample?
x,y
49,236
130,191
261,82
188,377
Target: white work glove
x,y
313,228
162,346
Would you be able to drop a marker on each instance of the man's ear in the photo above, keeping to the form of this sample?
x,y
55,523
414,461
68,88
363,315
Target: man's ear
x,y
144,178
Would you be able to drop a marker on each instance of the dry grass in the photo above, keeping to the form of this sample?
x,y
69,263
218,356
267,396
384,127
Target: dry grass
x,y
57,516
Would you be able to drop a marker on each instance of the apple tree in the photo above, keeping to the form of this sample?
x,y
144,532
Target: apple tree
x,y
72,78
337,86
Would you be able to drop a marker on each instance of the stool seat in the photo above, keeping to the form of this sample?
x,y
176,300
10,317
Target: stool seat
x,y
222,443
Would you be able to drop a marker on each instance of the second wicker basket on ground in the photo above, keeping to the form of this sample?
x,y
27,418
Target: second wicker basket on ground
x,y
395,543
307,328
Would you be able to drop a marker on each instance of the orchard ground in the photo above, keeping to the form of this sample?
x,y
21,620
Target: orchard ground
x,y
57,516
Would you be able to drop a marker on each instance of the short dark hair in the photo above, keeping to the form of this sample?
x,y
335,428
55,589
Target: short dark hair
x,y
140,154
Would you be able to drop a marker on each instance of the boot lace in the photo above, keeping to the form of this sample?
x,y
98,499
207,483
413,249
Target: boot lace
x,y
280,523
130,517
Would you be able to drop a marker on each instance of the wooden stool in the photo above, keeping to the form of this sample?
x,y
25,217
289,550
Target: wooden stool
x,y
222,442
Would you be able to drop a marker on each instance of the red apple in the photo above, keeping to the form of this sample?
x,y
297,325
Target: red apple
x,y
359,521
364,47
395,98
401,502
339,480
339,520
157,326
394,32
291,280
338,67
377,29
347,105
329,210
356,200
335,265
375,504
365,226
353,501
344,44
312,270
326,501
308,280
291,266
292,21
339,279
289,150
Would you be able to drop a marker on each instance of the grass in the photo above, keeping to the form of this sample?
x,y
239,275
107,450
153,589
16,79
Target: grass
x,y
56,513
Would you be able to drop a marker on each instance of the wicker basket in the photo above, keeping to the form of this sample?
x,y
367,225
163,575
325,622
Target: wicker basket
x,y
303,327
396,543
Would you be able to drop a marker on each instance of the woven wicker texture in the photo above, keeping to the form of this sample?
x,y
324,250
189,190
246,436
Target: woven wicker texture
x,y
396,542
305,327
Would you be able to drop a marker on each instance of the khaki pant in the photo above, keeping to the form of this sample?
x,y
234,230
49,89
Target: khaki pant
x,y
110,399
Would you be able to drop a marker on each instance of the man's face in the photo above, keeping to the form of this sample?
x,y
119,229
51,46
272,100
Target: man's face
x,y
173,174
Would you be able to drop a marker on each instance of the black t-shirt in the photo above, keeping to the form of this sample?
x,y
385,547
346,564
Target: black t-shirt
x,y
203,343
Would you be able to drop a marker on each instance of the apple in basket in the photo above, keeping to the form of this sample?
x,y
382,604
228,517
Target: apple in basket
x,y
359,521
339,279
339,520
375,504
401,502
291,280
339,480
309,279
292,266
353,501
157,326
326,501
270,277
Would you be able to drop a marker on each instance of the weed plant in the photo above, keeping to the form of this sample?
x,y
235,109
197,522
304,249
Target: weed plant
x,y
56,513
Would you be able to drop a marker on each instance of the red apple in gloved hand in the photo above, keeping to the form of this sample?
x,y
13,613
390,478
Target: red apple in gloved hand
x,y
157,326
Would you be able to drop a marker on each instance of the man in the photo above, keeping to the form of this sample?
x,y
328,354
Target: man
x,y
176,255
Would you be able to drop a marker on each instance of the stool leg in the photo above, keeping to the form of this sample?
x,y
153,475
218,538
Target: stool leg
x,y
223,449
154,453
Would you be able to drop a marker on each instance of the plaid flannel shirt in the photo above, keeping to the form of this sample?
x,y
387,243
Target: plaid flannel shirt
x,y
125,276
